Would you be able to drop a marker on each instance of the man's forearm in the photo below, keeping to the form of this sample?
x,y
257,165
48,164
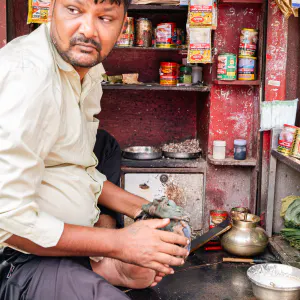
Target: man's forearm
x,y
75,241
121,201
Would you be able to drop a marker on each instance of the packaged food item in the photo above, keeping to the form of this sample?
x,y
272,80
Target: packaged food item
x,y
168,73
215,15
226,66
201,13
38,11
166,35
217,217
247,68
126,39
286,139
130,78
199,49
296,144
115,79
143,33
180,37
248,42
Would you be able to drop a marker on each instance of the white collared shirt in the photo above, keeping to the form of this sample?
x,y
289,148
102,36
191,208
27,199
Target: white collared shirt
x,y
47,137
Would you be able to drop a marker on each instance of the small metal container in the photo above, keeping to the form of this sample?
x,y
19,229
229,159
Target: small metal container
x,y
275,282
142,153
181,155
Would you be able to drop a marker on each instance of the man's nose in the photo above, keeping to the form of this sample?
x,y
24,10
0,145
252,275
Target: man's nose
x,y
88,27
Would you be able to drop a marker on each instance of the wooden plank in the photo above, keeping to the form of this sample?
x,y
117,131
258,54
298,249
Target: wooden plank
x,y
155,87
164,163
271,196
284,252
292,162
164,170
230,161
157,7
237,82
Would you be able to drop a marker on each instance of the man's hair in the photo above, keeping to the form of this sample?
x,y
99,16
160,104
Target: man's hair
x,y
118,2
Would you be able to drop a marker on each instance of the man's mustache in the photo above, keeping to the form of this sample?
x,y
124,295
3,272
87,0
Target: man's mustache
x,y
82,39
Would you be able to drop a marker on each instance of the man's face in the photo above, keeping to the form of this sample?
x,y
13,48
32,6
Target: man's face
x,y
83,32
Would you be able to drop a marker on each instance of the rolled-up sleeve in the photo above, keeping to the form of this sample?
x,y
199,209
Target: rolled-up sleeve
x,y
29,126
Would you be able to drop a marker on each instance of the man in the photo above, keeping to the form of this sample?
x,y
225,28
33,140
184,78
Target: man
x,y
50,90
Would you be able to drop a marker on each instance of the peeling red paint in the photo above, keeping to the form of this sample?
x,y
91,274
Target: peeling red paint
x,y
3,26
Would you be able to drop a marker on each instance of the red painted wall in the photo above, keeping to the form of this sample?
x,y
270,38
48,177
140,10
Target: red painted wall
x,y
3,28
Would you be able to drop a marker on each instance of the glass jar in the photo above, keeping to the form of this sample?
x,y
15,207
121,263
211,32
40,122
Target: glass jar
x,y
185,75
240,150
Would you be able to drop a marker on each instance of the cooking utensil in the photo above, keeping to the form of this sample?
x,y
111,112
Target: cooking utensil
x,y
142,153
212,233
246,260
181,155
275,281
245,238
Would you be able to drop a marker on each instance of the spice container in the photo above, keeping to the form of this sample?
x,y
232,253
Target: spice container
x,y
240,150
126,39
247,68
226,67
286,139
168,73
197,74
166,35
219,150
248,42
185,75
143,33
217,217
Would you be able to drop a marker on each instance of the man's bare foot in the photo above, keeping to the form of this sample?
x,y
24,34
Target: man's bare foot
x,y
126,275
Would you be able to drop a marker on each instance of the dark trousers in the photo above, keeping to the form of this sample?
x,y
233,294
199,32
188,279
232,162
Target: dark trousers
x,y
108,153
29,277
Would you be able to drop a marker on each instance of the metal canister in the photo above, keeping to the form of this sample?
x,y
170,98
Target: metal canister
x,y
248,42
166,35
226,67
168,73
126,39
247,68
143,33
217,217
296,144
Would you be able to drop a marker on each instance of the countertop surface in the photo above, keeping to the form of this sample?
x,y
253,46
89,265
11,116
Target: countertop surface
x,y
204,276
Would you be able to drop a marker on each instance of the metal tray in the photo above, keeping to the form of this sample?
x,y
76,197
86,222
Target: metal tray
x,y
181,155
142,153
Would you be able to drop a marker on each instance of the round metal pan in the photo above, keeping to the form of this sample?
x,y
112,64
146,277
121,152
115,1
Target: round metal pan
x,y
142,153
181,155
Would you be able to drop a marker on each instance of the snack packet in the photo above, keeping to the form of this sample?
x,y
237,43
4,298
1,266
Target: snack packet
x,y
201,13
38,11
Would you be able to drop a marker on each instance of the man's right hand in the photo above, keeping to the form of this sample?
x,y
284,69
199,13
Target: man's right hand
x,y
144,245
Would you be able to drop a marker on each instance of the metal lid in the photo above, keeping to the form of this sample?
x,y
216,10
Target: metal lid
x,y
251,57
240,142
250,29
220,143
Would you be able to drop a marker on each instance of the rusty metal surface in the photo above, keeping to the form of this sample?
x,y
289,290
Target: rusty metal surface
x,y
185,189
3,25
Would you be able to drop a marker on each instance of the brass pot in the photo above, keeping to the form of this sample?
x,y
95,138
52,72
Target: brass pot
x,y
245,238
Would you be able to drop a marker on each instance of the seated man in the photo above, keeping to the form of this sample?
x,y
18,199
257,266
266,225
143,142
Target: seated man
x,y
50,90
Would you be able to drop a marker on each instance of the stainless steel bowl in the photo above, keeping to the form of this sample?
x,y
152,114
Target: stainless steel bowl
x,y
275,282
181,155
142,153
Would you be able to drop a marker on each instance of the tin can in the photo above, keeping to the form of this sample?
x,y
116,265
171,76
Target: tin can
x,y
247,68
248,42
286,139
168,73
126,39
166,35
226,67
217,217
296,144
180,37
143,33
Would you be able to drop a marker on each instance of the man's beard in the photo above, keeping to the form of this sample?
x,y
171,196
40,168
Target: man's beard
x,y
69,58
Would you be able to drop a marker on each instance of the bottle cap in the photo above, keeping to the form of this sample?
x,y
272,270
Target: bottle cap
x,y
240,142
220,143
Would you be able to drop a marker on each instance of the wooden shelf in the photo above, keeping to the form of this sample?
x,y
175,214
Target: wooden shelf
x,y
237,82
155,87
181,51
136,7
241,1
230,161
198,165
292,162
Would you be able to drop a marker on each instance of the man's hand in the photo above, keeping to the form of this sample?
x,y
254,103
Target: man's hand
x,y
143,245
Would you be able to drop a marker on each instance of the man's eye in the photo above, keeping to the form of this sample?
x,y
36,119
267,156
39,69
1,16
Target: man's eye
x,y
73,11
105,19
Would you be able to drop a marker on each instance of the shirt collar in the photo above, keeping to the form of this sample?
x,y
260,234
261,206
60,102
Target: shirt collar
x,y
94,73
